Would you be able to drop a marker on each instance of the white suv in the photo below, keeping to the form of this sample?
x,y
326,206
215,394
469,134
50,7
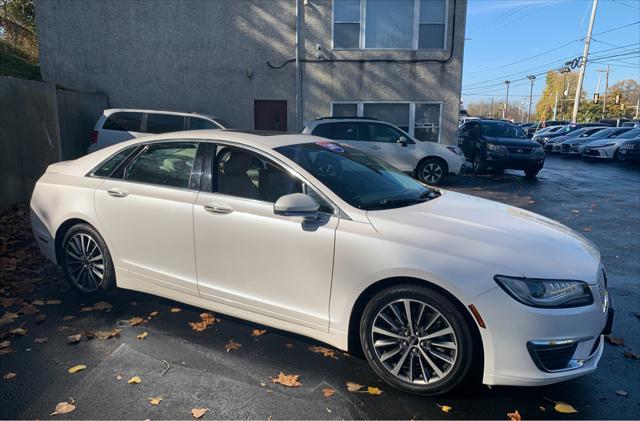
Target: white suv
x,y
427,161
118,124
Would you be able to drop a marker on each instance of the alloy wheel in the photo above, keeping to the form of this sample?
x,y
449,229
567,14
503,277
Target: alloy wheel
x,y
84,262
414,342
432,172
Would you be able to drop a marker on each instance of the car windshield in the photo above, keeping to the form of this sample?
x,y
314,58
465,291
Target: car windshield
x,y
578,132
501,129
631,134
359,179
604,133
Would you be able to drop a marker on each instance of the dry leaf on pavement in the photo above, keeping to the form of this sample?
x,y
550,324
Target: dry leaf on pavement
x,y
175,310
331,353
5,344
514,416
353,387
9,376
374,390
107,334
8,317
207,320
615,340
258,332
77,368
67,318
155,401
142,335
288,380
445,408
41,340
197,413
63,408
17,332
328,392
153,314
53,302
564,408
621,392
135,321
28,309
231,346
134,380
74,339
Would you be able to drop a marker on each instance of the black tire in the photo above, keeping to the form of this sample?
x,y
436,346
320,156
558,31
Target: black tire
x,y
616,155
454,373
531,172
479,166
432,171
87,279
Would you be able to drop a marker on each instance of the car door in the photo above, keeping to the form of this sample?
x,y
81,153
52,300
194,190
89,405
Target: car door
x,y
391,145
146,211
256,261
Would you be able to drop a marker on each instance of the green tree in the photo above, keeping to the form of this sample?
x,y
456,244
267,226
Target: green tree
x,y
554,84
22,12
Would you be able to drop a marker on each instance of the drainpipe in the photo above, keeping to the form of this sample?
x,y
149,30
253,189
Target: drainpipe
x,y
298,70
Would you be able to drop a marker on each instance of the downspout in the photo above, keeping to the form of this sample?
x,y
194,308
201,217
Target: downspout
x,y
298,71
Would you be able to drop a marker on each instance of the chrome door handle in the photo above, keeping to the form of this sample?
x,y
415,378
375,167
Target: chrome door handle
x,y
117,193
375,147
218,208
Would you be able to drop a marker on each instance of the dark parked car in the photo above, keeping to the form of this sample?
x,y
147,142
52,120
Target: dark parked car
x,y
630,150
553,144
500,145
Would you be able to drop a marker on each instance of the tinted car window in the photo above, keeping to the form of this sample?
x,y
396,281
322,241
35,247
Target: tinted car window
x,y
243,174
323,130
501,129
165,164
383,133
630,134
125,121
164,123
201,124
108,167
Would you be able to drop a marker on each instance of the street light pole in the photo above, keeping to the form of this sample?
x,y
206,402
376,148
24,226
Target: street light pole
x,y
506,102
585,54
563,71
531,78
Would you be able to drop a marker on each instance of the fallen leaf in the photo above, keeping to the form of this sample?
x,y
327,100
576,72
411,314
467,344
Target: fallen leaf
x,y
445,408
17,332
135,321
9,376
53,302
615,340
153,314
564,408
374,390
67,318
41,340
587,229
328,392
155,401
142,335
288,380
107,334
178,310
77,368
38,302
621,392
5,344
231,346
28,309
258,332
4,351
63,408
207,320
542,408
8,302
324,351
514,416
197,413
8,317
134,380
74,339
353,387
632,355
100,305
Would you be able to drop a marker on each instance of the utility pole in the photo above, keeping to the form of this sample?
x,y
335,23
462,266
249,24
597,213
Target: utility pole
x,y
555,107
564,70
532,78
491,108
637,107
606,88
585,55
506,102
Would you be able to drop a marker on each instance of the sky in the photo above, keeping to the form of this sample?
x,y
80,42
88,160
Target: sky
x,y
510,39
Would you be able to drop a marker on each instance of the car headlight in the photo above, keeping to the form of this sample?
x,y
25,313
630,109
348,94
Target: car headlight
x,y
455,150
546,293
496,148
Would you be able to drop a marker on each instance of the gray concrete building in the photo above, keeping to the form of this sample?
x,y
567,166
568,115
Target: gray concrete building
x,y
264,64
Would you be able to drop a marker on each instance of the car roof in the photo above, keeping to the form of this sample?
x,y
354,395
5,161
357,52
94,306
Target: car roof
x,y
110,111
324,120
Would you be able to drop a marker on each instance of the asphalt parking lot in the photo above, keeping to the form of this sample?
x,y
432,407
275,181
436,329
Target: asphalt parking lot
x,y
191,369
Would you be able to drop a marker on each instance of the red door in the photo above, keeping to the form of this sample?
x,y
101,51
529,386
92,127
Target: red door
x,y
270,115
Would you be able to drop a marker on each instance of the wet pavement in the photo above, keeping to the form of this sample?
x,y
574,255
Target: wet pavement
x,y
191,369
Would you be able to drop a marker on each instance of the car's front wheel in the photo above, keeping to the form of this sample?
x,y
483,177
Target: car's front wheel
x,y
531,172
416,339
86,261
479,165
432,171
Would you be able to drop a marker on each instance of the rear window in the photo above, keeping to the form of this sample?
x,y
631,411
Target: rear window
x,y
125,121
109,167
201,124
322,130
164,123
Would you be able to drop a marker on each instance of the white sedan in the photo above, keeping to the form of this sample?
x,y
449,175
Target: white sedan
x,y
324,240
609,148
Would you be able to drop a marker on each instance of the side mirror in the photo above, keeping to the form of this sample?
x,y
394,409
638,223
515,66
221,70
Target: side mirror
x,y
402,141
296,204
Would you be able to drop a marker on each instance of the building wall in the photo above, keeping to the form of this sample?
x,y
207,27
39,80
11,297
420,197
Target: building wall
x,y
211,57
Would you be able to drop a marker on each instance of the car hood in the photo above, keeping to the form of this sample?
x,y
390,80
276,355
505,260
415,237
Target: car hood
x,y
511,141
602,142
480,230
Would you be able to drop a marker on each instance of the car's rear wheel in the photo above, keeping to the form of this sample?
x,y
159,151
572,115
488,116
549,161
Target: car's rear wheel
x,y
86,261
416,339
432,171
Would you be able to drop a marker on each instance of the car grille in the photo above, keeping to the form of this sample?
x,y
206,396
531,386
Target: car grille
x,y
519,151
552,357
591,152
630,146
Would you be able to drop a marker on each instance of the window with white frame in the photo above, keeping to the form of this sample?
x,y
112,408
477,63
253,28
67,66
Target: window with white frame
x,y
389,24
420,119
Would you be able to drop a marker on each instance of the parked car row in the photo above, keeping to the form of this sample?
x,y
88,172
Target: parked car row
x,y
599,142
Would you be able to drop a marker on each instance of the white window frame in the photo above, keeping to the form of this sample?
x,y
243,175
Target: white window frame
x,y
416,29
412,112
